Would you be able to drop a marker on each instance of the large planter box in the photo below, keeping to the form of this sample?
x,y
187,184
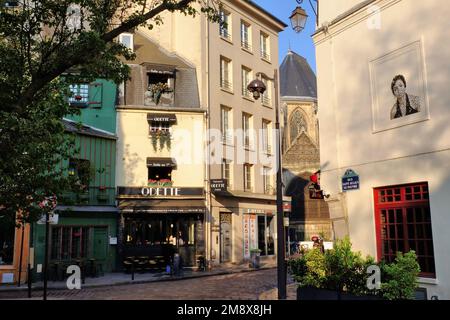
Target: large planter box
x,y
311,293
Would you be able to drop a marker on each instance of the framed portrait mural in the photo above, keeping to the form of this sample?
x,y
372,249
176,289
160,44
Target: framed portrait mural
x,y
399,88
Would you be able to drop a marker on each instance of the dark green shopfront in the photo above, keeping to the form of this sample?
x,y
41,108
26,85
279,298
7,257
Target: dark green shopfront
x,y
85,231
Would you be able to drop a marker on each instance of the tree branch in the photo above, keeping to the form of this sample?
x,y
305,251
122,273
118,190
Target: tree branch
x,y
130,24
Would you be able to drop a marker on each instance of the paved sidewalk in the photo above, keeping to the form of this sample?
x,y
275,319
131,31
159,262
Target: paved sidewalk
x,y
113,279
291,293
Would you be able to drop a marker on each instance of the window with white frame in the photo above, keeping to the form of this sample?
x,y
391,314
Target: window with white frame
x,y
79,95
226,171
265,46
225,125
246,75
248,181
266,97
127,40
246,36
225,24
246,129
267,179
161,127
225,74
266,130
73,18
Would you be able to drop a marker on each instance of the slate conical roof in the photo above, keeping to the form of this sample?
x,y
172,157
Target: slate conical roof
x,y
296,77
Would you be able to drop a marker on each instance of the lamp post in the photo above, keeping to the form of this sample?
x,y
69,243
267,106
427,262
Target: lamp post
x,y
299,16
48,204
257,87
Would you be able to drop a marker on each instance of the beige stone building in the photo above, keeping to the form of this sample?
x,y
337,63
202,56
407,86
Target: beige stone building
x,y
301,156
205,69
383,111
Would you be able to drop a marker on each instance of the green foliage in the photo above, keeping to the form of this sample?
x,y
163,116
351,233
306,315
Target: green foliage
x,y
400,277
33,148
343,270
39,42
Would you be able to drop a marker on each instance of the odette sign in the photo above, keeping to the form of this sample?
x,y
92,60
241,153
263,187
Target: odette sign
x,y
150,192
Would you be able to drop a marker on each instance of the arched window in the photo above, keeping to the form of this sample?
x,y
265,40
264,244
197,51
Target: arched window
x,y
298,125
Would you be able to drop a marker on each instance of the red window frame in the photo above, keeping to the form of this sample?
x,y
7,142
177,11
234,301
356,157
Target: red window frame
x,y
403,223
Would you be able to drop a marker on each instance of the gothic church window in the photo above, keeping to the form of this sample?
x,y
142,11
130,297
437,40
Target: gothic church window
x,y
298,125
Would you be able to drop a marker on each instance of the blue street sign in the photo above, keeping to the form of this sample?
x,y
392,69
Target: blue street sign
x,y
350,181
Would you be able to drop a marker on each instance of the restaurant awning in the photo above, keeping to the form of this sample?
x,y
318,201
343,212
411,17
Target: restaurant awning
x,y
161,162
159,68
162,206
161,117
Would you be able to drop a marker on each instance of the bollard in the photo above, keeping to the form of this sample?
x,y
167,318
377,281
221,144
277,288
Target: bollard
x,y
29,280
83,274
132,271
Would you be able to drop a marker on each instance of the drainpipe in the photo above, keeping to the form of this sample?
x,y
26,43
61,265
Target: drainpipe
x,y
208,150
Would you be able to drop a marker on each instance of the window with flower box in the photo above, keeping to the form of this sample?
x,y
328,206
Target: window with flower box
x,y
403,222
86,95
225,27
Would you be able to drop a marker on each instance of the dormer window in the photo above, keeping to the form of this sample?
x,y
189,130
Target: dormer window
x,y
127,40
161,85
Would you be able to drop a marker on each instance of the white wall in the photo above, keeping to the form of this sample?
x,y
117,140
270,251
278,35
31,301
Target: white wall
x,y
135,145
330,9
412,153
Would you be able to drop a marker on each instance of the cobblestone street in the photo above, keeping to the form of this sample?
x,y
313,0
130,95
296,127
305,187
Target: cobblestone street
x,y
238,286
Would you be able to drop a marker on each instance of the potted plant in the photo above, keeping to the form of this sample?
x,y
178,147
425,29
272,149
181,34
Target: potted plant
x,y
341,274
164,138
157,89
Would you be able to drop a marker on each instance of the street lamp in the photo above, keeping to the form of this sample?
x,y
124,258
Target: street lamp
x,y
299,16
257,87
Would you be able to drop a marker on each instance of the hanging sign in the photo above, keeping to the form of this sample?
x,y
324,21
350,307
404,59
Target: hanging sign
x,y
350,181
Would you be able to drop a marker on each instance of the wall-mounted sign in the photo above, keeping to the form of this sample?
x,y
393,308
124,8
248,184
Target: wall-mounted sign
x,y
149,192
219,185
249,236
315,194
287,207
112,240
254,211
350,181
53,219
158,117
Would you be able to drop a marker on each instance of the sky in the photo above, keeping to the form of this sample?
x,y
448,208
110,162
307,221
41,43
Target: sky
x,y
300,43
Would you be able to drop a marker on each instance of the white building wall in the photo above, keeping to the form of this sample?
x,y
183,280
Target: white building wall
x,y
135,145
418,152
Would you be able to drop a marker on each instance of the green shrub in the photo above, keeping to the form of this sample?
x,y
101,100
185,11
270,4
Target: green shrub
x,y
400,278
343,270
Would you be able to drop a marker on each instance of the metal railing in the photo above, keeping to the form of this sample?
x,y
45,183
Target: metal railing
x,y
266,100
246,93
224,33
227,85
227,138
265,55
246,45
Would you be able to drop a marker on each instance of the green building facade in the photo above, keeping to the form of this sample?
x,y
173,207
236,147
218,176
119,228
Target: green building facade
x,y
85,232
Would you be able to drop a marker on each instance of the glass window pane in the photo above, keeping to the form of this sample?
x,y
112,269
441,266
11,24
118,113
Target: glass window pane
x,y
261,235
270,239
411,232
410,215
399,216
400,230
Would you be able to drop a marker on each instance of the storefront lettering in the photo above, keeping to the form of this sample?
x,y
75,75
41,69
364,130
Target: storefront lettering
x,y
155,192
